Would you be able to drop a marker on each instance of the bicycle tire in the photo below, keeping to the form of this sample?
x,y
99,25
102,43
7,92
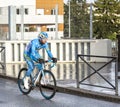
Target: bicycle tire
x,y
22,73
48,89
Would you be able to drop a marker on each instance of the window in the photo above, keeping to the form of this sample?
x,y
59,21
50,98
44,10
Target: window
x,y
53,12
26,11
18,28
26,29
47,29
51,28
40,11
17,11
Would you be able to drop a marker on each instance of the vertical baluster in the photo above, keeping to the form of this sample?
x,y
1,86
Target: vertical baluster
x,y
15,52
21,52
67,71
58,50
61,74
61,51
54,49
9,69
67,51
73,51
79,48
73,71
9,54
85,50
16,70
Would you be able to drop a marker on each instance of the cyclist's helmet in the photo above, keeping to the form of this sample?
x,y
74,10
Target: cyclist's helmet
x,y
42,35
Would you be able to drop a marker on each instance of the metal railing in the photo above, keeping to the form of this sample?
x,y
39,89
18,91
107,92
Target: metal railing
x,y
114,87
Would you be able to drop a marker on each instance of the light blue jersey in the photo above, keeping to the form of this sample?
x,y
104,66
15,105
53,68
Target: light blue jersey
x,y
32,50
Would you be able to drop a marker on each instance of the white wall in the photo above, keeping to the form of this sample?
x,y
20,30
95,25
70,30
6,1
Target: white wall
x,y
31,9
3,19
17,2
4,15
102,48
39,19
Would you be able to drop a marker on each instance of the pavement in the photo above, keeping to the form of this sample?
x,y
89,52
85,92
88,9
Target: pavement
x,y
69,87
10,96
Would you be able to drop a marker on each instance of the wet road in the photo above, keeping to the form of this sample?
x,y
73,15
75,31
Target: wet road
x,y
10,96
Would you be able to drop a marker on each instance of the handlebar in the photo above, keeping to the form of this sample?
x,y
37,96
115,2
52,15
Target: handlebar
x,y
52,64
47,61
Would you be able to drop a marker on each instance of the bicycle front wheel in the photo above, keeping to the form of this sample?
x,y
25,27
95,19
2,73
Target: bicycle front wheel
x,y
47,84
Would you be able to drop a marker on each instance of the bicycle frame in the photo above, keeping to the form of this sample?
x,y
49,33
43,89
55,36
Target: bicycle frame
x,y
40,69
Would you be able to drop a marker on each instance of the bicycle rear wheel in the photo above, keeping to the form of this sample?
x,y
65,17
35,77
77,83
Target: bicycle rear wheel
x,y
47,84
21,77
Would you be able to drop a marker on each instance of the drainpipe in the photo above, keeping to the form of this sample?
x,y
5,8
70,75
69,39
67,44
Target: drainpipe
x,y
22,22
56,21
12,22
69,21
91,25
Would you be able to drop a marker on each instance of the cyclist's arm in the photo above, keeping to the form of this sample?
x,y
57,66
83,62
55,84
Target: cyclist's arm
x,y
48,51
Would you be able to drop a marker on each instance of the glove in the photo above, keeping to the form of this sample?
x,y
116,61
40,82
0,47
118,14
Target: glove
x,y
40,60
54,60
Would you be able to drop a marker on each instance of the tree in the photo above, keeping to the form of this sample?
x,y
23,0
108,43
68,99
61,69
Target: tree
x,y
79,19
106,18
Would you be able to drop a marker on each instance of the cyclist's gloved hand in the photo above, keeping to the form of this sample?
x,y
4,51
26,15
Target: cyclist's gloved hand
x,y
54,60
40,60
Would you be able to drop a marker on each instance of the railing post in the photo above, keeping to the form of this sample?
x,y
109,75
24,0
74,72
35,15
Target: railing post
x,y
2,59
77,71
116,77
118,39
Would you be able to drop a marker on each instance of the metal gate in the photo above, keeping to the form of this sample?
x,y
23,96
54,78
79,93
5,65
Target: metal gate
x,y
114,87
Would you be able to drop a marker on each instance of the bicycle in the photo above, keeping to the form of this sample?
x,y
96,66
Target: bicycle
x,y
46,83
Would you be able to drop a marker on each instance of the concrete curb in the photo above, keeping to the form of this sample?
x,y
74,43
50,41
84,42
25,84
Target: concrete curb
x,y
90,94
80,92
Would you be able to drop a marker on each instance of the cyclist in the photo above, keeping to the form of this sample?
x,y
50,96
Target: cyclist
x,y
31,54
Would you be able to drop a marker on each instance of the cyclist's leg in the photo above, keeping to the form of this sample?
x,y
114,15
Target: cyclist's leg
x,y
30,64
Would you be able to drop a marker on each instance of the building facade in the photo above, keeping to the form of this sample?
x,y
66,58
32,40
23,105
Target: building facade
x,y
24,19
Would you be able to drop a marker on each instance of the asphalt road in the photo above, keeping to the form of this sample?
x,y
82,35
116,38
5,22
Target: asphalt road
x,y
10,96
